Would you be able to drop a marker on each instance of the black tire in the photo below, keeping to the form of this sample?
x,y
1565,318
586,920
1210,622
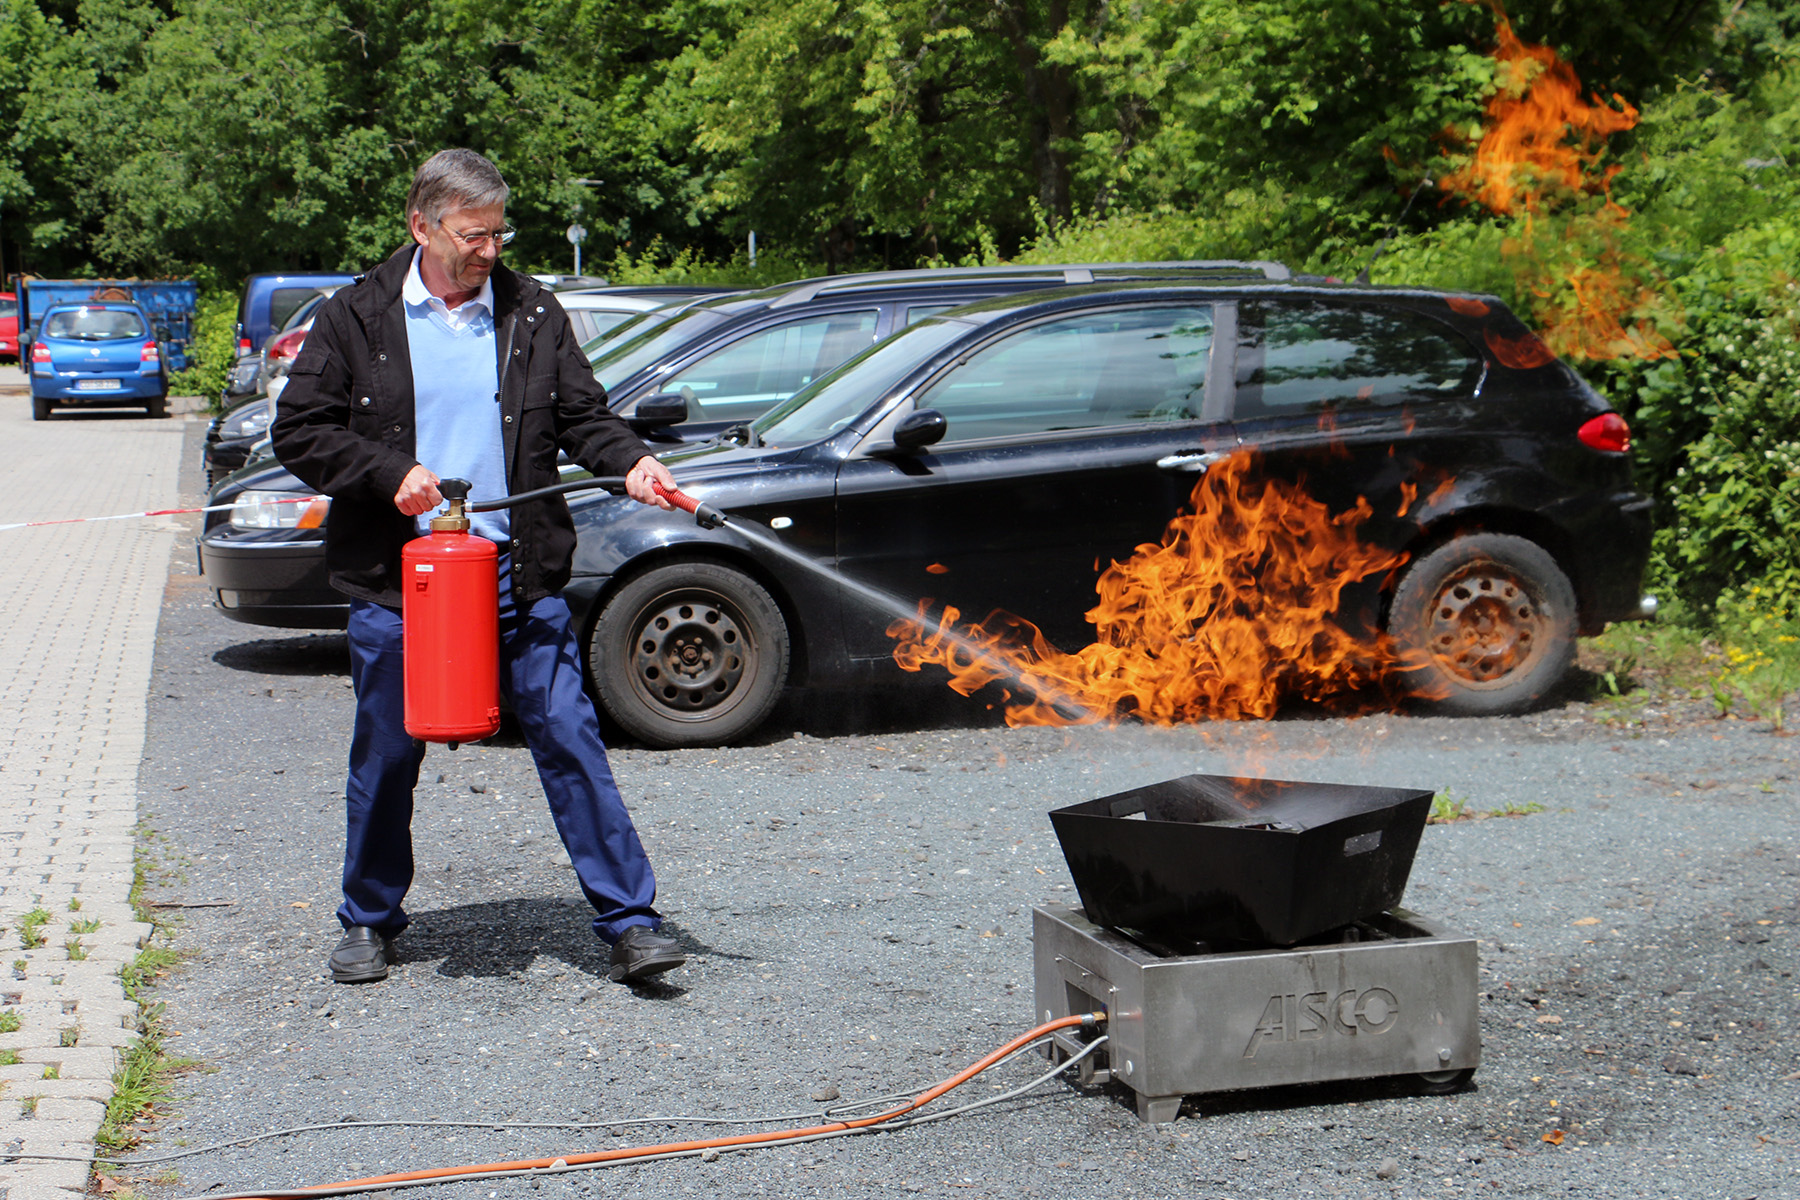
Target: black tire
x,y
689,654
158,406
40,408
1485,625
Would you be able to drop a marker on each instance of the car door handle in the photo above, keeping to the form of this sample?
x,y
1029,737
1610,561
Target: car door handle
x,y
1195,463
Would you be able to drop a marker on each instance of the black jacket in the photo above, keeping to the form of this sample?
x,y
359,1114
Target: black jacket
x,y
345,427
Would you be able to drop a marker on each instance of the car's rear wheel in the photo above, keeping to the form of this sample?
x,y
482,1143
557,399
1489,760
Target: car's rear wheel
x,y
689,654
1485,624
158,406
40,408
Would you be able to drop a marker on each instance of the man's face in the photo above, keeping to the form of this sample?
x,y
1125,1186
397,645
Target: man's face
x,y
451,258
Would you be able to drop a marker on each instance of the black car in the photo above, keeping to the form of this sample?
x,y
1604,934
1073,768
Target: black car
x,y
743,352
724,362
997,455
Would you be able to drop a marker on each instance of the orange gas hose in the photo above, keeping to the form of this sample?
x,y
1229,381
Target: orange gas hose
x,y
747,1139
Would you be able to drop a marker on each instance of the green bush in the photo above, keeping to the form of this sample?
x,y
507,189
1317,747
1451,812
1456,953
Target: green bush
x,y
214,346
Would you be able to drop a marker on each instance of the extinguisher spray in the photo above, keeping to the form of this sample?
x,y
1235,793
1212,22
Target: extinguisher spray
x,y
451,614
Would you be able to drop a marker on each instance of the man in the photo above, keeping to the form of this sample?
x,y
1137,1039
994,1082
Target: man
x,y
442,363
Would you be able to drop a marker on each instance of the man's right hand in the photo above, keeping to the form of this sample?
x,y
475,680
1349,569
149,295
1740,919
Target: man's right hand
x,y
418,492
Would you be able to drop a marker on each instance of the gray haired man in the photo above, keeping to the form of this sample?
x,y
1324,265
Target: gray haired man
x,y
441,363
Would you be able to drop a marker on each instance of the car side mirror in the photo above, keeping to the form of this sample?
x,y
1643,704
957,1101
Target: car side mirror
x,y
923,428
654,412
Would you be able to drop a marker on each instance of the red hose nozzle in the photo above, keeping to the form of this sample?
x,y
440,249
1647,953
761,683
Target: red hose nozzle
x,y
705,515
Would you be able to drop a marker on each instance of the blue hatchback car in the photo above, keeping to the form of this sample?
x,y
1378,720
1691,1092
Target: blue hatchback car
x,y
102,354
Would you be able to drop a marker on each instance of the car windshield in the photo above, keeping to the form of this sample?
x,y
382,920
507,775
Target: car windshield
x,y
93,324
634,354
823,408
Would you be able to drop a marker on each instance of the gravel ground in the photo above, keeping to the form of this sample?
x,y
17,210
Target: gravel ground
x,y
856,890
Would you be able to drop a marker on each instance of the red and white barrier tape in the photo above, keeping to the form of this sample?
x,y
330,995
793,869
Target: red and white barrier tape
x,y
155,512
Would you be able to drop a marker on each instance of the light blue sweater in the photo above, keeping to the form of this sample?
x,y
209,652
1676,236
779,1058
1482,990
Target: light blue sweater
x,y
456,410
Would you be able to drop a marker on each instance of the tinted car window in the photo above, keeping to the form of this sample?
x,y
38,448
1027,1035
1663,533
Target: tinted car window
x,y
93,324
591,323
625,359
1109,368
283,302
845,394
1294,357
743,380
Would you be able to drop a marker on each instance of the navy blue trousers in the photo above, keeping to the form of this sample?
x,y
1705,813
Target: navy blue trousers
x,y
540,673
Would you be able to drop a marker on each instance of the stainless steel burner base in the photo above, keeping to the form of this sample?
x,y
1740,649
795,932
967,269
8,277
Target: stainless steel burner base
x,y
1400,999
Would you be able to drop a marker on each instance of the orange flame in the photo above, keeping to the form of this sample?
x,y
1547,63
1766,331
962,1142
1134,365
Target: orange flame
x,y
1237,609
1542,144
1531,119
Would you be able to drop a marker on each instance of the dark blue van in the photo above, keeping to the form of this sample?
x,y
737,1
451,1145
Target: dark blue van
x,y
270,299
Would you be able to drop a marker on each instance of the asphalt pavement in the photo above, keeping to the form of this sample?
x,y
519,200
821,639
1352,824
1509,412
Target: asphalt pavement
x,y
855,890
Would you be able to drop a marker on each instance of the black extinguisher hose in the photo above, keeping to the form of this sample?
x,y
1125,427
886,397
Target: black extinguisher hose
x,y
705,515
612,483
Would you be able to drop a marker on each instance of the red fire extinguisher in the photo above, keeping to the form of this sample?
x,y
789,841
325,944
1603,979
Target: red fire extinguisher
x,y
451,613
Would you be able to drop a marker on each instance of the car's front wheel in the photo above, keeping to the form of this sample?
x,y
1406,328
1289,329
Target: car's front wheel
x,y
1485,624
689,654
40,408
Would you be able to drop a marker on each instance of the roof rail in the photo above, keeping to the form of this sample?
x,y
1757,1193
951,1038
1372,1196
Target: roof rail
x,y
1072,273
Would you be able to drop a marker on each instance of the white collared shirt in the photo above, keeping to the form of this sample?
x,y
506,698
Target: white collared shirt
x,y
415,294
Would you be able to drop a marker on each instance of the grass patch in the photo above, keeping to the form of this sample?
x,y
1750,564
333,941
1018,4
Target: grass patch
x,y
31,928
28,1106
75,950
146,1072
86,925
9,1058
9,1022
1447,807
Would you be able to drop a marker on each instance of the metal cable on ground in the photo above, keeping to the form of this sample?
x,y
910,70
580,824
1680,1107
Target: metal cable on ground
x,y
599,1158
564,1167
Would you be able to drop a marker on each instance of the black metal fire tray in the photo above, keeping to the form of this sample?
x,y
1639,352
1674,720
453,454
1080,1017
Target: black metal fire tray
x,y
1223,860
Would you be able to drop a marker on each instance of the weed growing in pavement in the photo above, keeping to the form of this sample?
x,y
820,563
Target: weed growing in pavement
x,y
87,925
31,928
69,1037
1447,807
9,1058
145,1074
50,1072
75,950
9,1022
28,1107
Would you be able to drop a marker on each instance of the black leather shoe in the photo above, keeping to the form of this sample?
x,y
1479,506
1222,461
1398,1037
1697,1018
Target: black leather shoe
x,y
640,953
364,956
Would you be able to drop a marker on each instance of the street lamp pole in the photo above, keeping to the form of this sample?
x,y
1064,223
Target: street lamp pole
x,y
576,233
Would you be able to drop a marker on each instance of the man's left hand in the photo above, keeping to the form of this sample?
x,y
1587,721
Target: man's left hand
x,y
643,473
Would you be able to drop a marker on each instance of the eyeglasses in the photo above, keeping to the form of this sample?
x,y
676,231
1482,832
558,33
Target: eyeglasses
x,y
475,241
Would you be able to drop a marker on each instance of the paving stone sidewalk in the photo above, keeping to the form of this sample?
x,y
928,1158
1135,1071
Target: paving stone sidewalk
x,y
80,605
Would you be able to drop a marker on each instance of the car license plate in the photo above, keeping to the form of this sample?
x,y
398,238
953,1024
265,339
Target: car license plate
x,y
96,385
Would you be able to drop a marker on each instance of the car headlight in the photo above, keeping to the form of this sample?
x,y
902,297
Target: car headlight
x,y
247,421
278,510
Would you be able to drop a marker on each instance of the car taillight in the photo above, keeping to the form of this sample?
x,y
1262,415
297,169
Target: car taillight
x,y
1607,431
40,353
286,346
243,346
149,353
